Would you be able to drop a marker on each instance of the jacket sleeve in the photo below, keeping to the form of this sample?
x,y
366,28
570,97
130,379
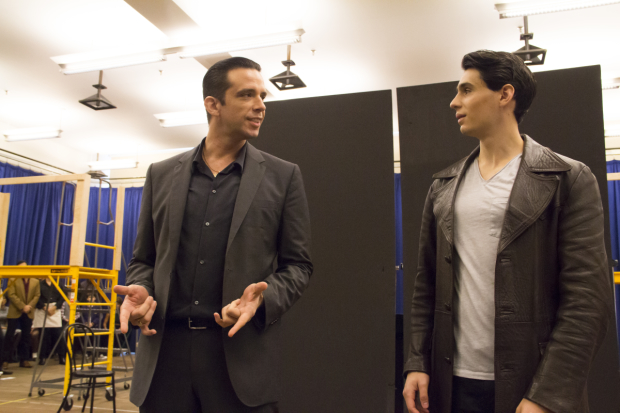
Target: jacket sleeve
x,y
294,263
15,300
35,299
584,300
140,269
423,301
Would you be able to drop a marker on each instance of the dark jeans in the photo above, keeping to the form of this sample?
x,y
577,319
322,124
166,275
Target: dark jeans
x,y
472,396
23,349
191,375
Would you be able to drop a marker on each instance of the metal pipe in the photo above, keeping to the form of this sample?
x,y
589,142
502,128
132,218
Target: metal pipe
x,y
62,199
98,222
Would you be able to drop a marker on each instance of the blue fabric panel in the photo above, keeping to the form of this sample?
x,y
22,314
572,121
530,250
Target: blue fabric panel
x,y
613,190
33,220
398,209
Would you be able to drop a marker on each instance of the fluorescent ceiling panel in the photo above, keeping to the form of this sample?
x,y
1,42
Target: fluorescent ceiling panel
x,y
245,43
27,134
192,117
532,7
113,164
108,63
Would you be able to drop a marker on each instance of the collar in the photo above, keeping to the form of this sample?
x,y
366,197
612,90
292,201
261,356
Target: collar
x,y
536,158
240,160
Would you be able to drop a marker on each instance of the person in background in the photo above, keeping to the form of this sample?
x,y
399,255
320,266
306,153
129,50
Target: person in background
x,y
50,302
3,371
23,294
512,295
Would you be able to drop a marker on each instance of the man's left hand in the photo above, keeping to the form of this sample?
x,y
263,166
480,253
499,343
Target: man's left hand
x,y
240,311
527,406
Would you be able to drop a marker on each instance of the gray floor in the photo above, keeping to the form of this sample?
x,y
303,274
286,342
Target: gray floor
x,y
14,393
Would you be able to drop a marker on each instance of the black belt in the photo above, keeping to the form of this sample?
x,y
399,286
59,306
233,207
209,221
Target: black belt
x,y
194,323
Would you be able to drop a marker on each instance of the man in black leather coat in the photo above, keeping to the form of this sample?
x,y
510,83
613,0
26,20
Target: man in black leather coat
x,y
517,332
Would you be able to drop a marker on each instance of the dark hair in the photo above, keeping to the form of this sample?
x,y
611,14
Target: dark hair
x,y
502,68
22,262
215,83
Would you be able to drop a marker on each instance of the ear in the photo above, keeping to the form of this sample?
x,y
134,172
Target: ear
x,y
507,93
212,105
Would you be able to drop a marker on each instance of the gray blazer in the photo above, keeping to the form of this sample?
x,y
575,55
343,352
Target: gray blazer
x,y
270,230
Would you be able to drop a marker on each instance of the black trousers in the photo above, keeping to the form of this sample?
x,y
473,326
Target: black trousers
x,y
472,396
51,336
23,348
191,375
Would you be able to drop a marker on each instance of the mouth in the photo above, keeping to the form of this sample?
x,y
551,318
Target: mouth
x,y
459,117
255,121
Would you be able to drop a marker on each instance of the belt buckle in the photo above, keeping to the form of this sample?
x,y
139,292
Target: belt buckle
x,y
194,328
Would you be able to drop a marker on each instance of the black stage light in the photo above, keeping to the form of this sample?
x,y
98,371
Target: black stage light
x,y
529,53
97,101
287,80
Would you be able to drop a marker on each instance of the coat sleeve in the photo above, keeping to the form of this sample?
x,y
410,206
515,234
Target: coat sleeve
x,y
423,301
35,298
142,264
294,263
584,300
14,298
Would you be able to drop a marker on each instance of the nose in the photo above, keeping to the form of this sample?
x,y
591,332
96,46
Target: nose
x,y
455,104
259,106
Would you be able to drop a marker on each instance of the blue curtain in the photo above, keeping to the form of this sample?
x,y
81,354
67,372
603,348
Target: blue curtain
x,y
399,243
613,189
33,221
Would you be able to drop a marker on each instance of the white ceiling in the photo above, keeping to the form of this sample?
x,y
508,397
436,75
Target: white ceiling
x,y
360,45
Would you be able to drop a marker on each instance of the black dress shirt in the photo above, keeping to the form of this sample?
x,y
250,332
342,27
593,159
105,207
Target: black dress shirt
x,y
196,283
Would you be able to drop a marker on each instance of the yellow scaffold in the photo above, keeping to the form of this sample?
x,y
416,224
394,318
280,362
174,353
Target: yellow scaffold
x,y
75,271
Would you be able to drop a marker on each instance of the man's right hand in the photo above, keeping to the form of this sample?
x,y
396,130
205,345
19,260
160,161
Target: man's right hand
x,y
26,309
138,308
416,381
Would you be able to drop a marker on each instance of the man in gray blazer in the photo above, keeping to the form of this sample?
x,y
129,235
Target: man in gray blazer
x,y
222,252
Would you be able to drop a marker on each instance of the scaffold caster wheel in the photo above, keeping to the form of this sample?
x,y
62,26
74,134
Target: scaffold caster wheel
x,y
126,386
67,405
108,395
41,392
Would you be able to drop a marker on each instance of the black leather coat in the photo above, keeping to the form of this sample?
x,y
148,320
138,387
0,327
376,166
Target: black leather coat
x,y
552,285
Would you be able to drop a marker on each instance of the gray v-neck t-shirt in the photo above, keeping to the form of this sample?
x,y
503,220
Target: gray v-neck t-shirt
x,y
479,211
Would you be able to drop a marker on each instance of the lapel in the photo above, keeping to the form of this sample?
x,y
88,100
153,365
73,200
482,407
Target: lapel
x,y
253,172
177,198
532,191
443,203
530,195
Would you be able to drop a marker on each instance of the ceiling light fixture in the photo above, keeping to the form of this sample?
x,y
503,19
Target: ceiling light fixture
x,y
191,117
246,43
532,7
287,80
27,134
113,164
97,101
529,53
69,68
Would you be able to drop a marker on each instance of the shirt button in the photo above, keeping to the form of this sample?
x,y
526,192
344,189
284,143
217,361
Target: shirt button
x,y
196,302
214,191
207,224
202,261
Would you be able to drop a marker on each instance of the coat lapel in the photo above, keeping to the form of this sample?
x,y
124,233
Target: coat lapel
x,y
253,172
177,198
443,204
533,189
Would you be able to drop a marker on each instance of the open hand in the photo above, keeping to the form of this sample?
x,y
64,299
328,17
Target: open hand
x,y
416,382
527,406
240,311
138,308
